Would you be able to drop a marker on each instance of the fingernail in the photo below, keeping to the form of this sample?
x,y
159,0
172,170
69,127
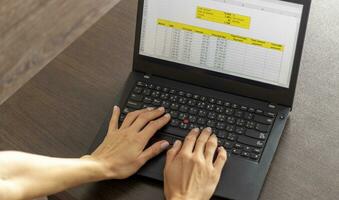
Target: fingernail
x,y
209,129
176,143
115,108
150,108
161,109
168,115
196,130
220,148
164,145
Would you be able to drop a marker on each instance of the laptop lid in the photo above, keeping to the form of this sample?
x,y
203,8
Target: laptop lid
x,y
246,47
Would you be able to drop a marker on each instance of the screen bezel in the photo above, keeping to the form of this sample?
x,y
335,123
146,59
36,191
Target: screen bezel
x,y
223,82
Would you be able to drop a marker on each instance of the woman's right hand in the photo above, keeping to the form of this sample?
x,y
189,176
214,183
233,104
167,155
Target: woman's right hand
x,y
190,173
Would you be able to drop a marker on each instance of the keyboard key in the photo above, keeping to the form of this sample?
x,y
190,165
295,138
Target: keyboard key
x,y
219,102
175,122
210,123
174,114
202,113
221,134
142,84
175,131
263,119
193,111
258,111
238,146
181,93
235,106
137,90
251,110
248,148
182,116
240,130
211,115
262,127
221,118
238,113
146,92
183,125
245,154
256,150
196,97
183,109
150,86
256,134
133,104
230,128
158,88
254,156
270,114
250,141
201,121
248,116
192,118
220,125
236,151
243,108
229,111
174,106
232,137
228,145
230,120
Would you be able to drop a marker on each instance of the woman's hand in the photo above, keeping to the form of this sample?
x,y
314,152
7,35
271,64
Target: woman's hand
x,y
122,152
190,173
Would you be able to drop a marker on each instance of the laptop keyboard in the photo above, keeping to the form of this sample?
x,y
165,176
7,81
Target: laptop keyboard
x,y
241,130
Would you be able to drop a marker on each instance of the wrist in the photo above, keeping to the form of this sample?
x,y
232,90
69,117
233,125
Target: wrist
x,y
179,197
98,169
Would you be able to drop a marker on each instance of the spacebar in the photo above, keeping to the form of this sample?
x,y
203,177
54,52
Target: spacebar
x,y
175,131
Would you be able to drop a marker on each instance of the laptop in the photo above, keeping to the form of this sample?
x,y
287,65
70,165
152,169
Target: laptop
x,y
231,65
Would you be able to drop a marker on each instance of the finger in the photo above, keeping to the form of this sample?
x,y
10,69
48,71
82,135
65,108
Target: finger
x,y
153,126
221,159
211,147
153,151
130,118
114,123
201,141
146,117
173,152
190,140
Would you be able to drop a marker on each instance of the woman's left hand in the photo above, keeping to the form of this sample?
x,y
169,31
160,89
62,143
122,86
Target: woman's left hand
x,y
122,152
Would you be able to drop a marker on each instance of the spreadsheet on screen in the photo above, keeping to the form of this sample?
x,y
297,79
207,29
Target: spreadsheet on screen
x,y
251,39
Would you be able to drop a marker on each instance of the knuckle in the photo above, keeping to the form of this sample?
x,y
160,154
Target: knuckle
x,y
153,123
223,156
190,138
211,143
143,117
185,155
140,161
132,114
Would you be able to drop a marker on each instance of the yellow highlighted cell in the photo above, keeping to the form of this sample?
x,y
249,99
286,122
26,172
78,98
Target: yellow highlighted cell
x,y
222,17
219,34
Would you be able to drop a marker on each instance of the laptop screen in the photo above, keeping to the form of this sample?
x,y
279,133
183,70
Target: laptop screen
x,y
251,39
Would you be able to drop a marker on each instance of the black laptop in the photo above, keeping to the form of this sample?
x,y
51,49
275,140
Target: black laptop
x,y
227,64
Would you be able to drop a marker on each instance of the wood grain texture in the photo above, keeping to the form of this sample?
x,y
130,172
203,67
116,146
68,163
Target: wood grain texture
x,y
60,110
33,32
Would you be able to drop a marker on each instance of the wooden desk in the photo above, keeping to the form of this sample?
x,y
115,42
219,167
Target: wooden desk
x,y
60,110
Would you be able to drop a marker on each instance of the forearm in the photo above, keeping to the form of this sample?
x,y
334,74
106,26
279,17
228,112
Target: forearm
x,y
26,176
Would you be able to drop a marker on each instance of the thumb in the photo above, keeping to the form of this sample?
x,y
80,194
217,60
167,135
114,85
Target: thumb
x,y
153,151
